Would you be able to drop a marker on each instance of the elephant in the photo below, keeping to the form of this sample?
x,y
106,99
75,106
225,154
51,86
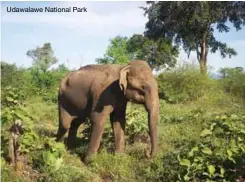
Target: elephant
x,y
100,91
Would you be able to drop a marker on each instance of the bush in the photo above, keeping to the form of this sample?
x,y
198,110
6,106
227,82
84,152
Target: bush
x,y
33,81
46,84
220,156
137,123
233,82
184,83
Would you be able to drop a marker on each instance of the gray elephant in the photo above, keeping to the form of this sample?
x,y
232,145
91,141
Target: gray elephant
x,y
99,91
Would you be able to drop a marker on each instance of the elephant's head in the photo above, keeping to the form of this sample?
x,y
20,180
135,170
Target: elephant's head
x,y
140,86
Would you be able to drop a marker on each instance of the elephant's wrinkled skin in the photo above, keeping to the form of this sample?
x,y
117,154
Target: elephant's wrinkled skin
x,y
97,91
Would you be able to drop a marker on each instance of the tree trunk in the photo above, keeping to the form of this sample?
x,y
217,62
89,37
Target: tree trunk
x,y
203,56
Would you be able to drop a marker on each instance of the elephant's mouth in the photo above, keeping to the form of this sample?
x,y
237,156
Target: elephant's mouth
x,y
135,96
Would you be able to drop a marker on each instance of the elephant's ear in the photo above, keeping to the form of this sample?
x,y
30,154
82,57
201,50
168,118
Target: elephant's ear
x,y
123,78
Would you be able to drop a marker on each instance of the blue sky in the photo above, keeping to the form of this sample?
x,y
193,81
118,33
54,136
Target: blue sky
x,y
83,37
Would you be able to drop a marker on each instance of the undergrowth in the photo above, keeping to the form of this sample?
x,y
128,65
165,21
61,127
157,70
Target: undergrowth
x,y
201,138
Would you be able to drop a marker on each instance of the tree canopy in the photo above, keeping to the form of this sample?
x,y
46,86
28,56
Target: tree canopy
x,y
43,57
157,53
116,52
192,25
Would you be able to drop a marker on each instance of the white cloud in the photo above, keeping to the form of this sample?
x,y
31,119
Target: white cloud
x,y
102,18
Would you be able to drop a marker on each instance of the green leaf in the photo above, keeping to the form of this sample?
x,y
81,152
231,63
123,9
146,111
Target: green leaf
x,y
206,132
242,131
239,139
58,163
185,162
231,159
186,177
211,170
234,117
194,149
212,126
59,146
229,152
217,117
226,124
9,99
207,151
222,172
49,158
223,117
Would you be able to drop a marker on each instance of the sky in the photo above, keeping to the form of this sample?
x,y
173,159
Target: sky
x,y
78,38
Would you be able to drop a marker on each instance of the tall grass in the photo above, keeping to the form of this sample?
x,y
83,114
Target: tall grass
x,y
192,103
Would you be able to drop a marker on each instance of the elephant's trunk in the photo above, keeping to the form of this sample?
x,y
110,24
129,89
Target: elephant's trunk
x,y
152,122
152,106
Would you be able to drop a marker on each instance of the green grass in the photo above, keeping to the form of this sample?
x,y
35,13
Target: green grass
x,y
179,129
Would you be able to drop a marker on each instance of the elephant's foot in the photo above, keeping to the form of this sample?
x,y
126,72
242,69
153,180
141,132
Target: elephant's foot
x,y
148,154
88,158
71,143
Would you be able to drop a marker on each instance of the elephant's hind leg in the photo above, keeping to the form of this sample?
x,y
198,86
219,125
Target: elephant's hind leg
x,y
60,134
64,123
72,136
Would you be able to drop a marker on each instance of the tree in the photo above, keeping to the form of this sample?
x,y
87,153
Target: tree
x,y
192,25
116,52
43,57
157,53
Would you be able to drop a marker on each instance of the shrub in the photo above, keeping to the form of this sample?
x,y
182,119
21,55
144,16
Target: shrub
x,y
184,83
233,82
220,155
137,123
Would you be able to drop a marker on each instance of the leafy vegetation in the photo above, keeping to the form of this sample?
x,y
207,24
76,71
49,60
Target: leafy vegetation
x,y
159,54
220,154
233,81
201,132
116,52
183,83
202,120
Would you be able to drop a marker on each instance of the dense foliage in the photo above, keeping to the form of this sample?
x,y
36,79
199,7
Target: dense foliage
x,y
116,52
201,131
202,120
192,25
33,81
158,54
183,84
234,81
220,155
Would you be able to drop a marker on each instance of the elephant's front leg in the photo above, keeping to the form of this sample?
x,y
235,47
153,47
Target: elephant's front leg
x,y
98,122
118,124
